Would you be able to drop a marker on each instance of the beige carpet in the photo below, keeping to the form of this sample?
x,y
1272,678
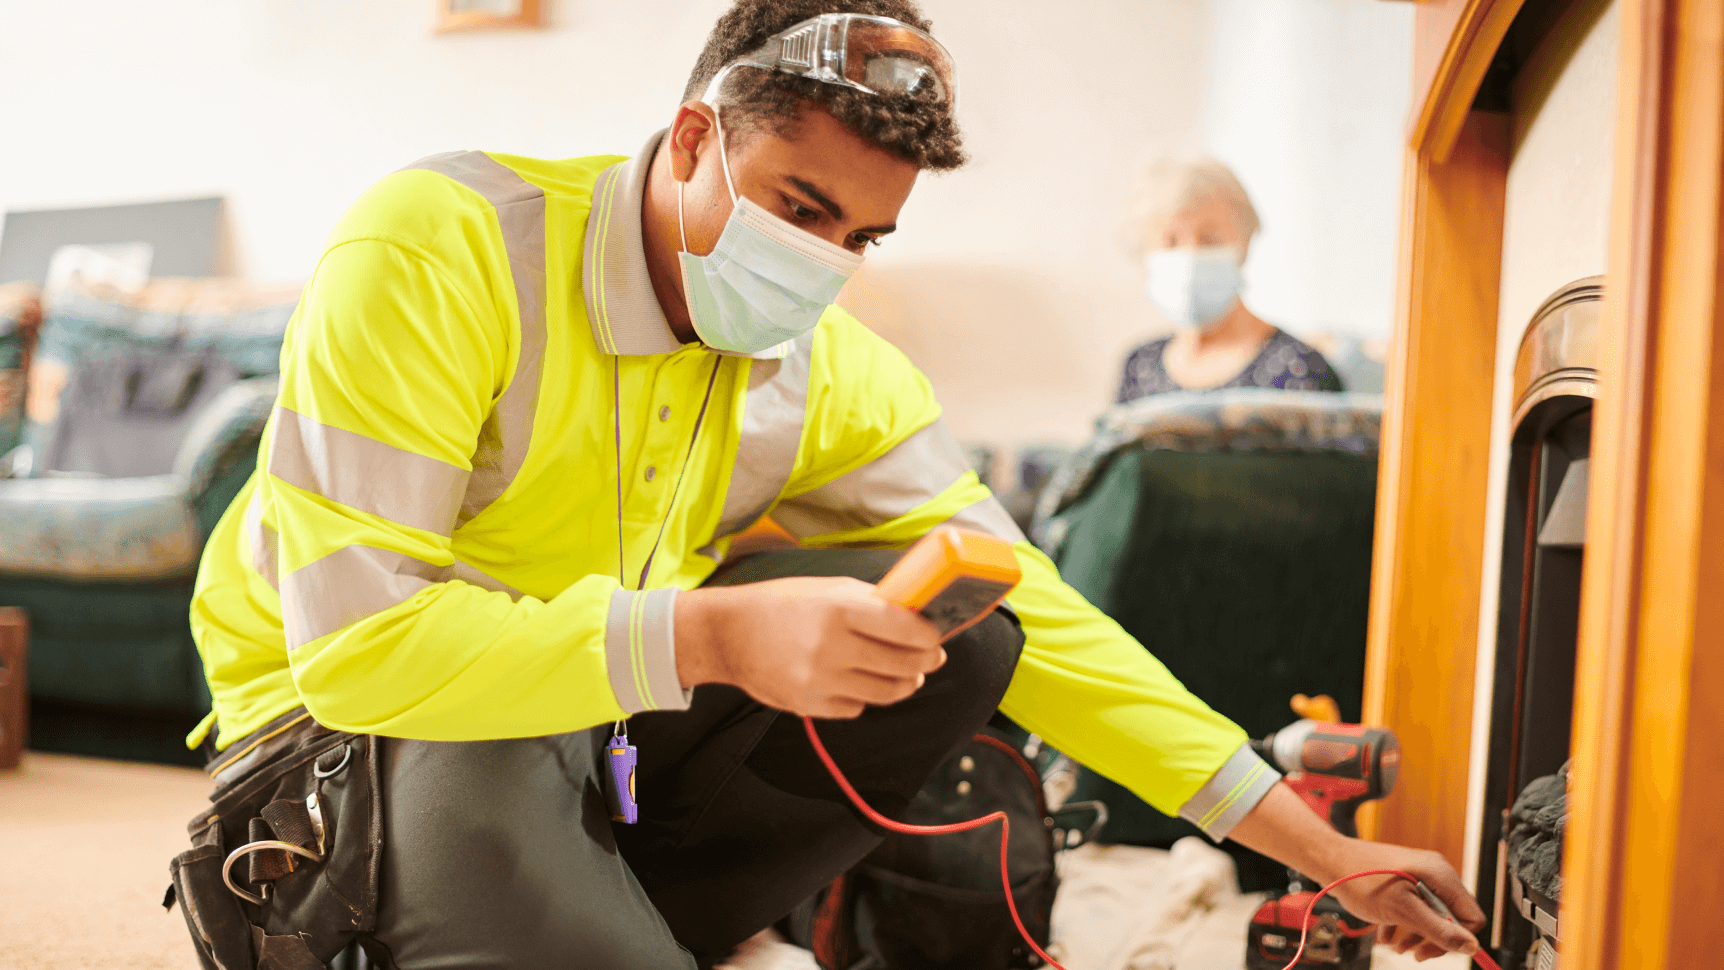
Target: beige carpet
x,y
84,850
85,844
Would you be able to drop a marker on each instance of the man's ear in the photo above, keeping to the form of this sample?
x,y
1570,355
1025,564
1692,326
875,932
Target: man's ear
x,y
695,120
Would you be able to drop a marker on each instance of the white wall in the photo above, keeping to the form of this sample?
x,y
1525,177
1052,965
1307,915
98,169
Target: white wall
x,y
1556,229
1012,286
290,108
1308,101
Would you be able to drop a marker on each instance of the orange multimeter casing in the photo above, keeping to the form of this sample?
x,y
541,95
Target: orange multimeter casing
x,y
953,577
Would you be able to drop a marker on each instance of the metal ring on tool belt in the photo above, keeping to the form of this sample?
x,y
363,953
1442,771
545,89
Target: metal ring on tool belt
x,y
248,849
346,756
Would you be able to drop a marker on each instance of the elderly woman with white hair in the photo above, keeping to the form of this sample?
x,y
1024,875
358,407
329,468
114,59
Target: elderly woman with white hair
x,y
1194,227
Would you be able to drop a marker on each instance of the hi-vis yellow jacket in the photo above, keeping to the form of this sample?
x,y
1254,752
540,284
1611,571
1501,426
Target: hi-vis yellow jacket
x,y
430,545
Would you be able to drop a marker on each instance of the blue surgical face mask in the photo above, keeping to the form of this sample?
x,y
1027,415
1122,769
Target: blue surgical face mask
x,y
765,283
1194,287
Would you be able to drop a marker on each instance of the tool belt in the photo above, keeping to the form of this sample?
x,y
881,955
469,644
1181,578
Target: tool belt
x,y
282,873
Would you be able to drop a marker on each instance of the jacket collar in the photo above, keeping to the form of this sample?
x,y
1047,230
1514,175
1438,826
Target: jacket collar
x,y
621,305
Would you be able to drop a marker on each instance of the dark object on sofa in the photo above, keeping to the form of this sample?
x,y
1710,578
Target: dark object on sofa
x,y
1230,532
99,539
124,415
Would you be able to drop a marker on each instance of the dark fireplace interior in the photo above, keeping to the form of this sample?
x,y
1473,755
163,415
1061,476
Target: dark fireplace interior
x,y
1519,874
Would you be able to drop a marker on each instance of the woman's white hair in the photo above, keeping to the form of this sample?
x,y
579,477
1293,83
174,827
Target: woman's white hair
x,y
1171,185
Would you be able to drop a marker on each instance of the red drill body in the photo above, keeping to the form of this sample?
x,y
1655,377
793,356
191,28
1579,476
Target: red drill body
x,y
1334,768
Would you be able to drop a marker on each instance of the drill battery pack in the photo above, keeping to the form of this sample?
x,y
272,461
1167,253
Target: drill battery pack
x,y
1338,940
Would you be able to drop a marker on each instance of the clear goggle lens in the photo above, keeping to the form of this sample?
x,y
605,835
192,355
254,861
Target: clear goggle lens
x,y
874,54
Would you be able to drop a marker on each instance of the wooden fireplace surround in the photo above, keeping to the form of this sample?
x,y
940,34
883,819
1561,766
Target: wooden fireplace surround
x,y
1644,863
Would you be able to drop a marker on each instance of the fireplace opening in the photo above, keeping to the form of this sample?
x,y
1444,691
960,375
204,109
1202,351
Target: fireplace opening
x,y
1519,875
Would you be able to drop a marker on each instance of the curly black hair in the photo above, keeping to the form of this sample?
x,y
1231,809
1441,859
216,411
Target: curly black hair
x,y
915,127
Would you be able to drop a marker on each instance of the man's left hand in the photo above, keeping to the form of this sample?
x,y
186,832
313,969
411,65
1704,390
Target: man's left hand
x,y
1395,904
1283,828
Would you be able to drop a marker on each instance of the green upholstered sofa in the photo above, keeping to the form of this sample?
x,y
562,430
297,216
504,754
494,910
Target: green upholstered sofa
x,y
20,318
104,564
1230,532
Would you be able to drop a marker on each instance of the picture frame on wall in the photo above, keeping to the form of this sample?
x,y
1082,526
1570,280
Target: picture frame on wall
x,y
456,16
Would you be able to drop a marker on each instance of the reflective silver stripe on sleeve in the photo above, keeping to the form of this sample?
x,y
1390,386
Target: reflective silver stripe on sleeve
x,y
897,483
988,516
914,471
520,207
773,413
365,474
263,541
1230,794
347,586
640,651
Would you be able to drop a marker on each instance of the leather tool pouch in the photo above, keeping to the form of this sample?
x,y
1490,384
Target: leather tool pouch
x,y
316,790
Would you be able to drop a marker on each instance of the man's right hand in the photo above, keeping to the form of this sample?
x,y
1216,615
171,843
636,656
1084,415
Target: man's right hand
x,y
813,645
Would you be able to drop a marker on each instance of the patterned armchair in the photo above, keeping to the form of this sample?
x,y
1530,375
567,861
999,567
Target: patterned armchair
x,y
142,419
1229,532
20,318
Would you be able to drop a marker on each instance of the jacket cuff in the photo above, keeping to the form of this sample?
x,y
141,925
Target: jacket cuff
x,y
1230,794
640,651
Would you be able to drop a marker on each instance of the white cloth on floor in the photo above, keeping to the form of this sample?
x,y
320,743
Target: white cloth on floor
x,y
767,950
1122,907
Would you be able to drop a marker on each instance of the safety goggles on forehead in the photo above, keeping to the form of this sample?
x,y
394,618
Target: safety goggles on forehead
x,y
878,55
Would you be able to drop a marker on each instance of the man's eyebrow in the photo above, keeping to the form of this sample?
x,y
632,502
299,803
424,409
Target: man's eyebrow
x,y
836,210
830,206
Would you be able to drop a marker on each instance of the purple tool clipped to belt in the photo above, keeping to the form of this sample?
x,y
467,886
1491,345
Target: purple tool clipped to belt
x,y
621,791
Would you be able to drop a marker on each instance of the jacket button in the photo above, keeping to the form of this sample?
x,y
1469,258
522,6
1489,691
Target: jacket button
x,y
664,413
651,472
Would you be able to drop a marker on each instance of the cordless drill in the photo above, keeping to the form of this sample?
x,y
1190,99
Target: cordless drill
x,y
1334,768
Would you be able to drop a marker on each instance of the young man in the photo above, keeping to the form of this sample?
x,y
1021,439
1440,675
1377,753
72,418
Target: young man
x,y
525,405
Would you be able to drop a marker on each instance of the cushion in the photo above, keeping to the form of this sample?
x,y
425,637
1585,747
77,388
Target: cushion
x,y
226,319
85,528
20,315
1240,419
126,414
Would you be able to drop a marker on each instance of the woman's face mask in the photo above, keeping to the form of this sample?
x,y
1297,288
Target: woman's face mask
x,y
766,282
1194,287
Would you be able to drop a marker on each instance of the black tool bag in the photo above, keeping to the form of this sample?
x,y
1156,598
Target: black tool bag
x,y
297,832
921,902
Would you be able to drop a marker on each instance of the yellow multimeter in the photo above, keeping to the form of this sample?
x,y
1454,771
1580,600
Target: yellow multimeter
x,y
953,577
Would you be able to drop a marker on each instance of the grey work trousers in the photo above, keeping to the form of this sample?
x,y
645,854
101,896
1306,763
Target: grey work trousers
x,y
502,854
